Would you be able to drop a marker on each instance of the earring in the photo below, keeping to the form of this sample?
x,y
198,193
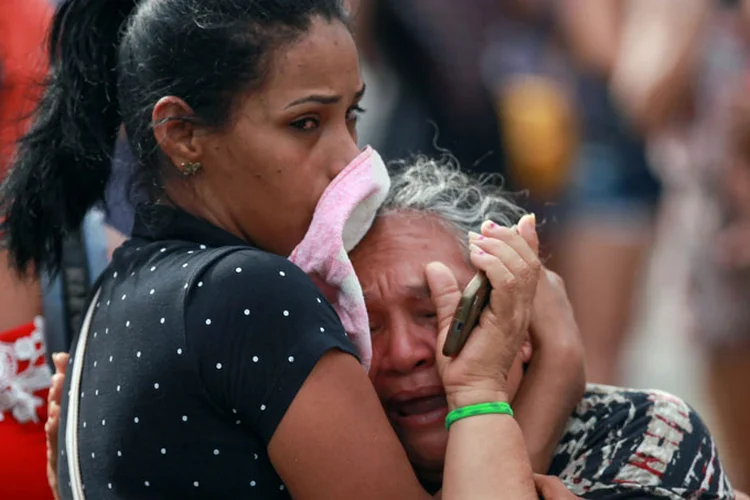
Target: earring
x,y
191,168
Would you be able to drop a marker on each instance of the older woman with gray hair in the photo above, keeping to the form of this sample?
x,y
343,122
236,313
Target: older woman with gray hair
x,y
601,442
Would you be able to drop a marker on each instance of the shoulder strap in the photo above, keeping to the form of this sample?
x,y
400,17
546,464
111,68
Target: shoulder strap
x,y
75,280
71,429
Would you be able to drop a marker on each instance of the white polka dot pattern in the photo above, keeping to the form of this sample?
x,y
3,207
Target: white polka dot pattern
x,y
154,398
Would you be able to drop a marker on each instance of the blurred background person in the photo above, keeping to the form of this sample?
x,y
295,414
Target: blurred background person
x,y
609,208
569,100
696,111
22,30
24,374
37,317
515,87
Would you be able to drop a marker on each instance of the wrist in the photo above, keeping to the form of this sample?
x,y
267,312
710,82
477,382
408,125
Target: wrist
x,y
463,397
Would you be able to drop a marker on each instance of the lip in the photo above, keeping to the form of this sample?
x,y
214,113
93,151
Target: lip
x,y
420,420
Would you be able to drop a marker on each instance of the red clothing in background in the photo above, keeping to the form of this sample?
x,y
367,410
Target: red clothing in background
x,y
24,376
24,383
23,31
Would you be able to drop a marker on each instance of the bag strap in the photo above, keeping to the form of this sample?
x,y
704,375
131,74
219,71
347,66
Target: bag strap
x,y
75,280
71,429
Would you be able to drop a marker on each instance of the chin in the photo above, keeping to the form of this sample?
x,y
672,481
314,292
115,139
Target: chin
x,y
426,450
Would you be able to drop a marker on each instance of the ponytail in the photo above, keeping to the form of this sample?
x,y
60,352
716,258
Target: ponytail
x,y
63,163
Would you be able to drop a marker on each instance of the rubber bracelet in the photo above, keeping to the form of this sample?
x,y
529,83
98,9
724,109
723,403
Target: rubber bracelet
x,y
478,409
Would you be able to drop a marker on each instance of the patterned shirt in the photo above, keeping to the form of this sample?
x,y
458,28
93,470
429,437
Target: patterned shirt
x,y
622,443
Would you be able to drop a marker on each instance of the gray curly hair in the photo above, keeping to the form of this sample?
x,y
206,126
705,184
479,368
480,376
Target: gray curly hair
x,y
459,200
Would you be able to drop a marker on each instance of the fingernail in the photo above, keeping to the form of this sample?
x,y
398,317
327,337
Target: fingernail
x,y
488,225
475,236
475,249
532,216
55,356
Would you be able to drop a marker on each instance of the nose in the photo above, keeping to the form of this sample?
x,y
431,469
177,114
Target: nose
x,y
346,150
409,348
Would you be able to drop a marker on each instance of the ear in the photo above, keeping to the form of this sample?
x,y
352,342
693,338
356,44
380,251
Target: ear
x,y
177,138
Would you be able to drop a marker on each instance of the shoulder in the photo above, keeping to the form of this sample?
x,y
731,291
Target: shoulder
x,y
240,264
634,439
252,296
605,412
259,281
256,326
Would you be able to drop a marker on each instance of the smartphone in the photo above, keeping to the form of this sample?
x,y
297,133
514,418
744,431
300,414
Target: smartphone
x,y
474,298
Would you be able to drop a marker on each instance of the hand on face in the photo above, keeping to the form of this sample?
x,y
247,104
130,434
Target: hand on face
x,y
555,379
508,256
553,327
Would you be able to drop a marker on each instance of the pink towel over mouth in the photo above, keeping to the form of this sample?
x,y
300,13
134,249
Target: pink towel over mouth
x,y
344,214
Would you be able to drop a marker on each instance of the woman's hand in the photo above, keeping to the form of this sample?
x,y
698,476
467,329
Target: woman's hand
x,y
508,256
556,377
53,419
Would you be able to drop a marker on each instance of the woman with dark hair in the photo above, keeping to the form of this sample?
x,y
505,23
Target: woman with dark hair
x,y
210,366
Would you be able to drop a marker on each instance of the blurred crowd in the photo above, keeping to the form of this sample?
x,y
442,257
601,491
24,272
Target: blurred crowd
x,y
618,122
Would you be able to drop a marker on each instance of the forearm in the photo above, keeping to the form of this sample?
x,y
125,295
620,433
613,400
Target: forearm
x,y
655,56
487,455
552,387
591,29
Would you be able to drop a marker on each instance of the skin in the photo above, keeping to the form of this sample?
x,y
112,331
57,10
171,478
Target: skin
x,y
389,264
263,175
601,256
404,370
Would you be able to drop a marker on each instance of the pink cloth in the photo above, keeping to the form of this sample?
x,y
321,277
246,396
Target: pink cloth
x,y
342,217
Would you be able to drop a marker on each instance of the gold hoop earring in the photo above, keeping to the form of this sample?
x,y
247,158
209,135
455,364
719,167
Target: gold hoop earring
x,y
191,168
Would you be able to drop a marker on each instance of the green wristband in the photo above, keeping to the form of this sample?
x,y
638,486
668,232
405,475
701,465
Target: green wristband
x,y
478,409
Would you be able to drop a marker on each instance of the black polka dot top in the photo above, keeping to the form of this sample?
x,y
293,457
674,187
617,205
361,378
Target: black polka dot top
x,y
198,345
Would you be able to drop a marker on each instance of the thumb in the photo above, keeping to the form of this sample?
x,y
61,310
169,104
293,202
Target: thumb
x,y
445,295
527,230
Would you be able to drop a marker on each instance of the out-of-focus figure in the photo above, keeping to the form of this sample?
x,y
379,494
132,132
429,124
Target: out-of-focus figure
x,y
701,142
524,85
22,30
24,374
422,61
609,209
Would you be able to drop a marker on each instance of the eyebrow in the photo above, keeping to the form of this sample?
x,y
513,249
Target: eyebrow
x,y
325,99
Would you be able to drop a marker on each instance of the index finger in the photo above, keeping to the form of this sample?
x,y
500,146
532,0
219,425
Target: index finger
x,y
514,239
